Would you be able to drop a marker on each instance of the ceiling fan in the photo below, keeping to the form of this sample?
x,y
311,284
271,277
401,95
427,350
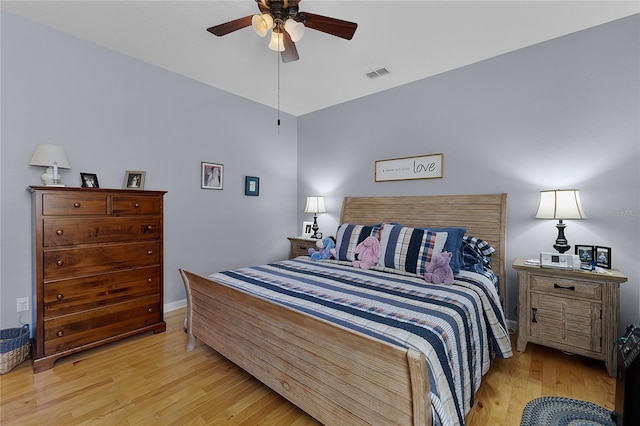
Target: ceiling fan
x,y
288,24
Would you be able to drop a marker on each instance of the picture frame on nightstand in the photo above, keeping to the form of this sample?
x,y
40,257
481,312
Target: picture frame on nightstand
x,y
585,253
307,231
603,256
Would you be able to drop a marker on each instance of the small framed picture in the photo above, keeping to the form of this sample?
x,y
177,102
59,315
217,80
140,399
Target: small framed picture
x,y
585,253
307,232
133,179
251,185
212,175
89,180
603,256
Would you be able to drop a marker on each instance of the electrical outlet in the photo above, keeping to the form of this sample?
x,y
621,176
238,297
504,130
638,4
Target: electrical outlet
x,y
22,304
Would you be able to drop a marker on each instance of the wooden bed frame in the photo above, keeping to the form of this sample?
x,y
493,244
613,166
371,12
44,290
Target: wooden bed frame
x,y
334,374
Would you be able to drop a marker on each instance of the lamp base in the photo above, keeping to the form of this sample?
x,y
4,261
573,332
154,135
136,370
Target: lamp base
x,y
47,176
561,242
317,235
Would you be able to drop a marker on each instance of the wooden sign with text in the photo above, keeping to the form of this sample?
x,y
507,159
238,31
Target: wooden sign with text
x,y
422,167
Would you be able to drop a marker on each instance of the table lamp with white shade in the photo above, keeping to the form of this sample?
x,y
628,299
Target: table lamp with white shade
x,y
560,204
53,158
315,205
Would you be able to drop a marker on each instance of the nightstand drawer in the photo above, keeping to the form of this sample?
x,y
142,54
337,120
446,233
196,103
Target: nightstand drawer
x,y
581,289
301,246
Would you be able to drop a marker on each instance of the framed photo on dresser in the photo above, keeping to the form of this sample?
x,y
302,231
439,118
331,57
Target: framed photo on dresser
x,y
134,180
89,180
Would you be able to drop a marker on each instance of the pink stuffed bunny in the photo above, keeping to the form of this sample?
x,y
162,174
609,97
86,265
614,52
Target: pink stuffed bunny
x,y
439,271
368,252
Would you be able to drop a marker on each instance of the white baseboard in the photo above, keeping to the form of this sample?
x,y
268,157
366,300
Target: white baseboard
x,y
173,306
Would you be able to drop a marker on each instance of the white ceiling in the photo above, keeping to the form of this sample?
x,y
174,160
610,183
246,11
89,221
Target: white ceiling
x,y
412,39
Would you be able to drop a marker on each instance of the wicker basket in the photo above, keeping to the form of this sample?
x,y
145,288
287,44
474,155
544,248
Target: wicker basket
x,y
14,347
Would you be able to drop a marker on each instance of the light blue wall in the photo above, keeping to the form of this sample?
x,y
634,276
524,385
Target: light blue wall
x,y
113,113
561,114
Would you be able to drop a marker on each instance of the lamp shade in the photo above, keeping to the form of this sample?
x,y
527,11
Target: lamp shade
x,y
295,29
46,155
315,205
262,24
560,204
277,42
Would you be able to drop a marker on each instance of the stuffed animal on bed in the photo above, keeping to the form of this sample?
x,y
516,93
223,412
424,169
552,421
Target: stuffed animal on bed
x,y
439,271
368,252
326,249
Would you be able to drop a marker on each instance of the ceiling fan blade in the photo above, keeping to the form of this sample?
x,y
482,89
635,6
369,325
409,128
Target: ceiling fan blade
x,y
231,26
333,26
290,53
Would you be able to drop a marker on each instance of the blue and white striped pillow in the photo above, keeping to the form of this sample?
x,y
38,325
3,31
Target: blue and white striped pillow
x,y
349,236
409,249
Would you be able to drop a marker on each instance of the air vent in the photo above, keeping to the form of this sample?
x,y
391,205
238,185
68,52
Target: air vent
x,y
379,72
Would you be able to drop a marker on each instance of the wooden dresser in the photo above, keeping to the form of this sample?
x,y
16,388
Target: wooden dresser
x,y
574,311
97,269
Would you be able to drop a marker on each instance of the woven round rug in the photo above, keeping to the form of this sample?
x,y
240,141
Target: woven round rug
x,y
558,411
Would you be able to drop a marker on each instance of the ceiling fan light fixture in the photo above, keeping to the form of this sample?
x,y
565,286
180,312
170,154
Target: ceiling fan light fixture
x,y
277,42
262,24
295,29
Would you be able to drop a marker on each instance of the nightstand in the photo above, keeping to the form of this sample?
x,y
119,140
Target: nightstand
x,y
300,246
574,311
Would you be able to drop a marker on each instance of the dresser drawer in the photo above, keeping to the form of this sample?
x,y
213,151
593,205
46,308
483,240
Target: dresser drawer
x,y
71,331
136,204
73,262
78,294
570,287
74,204
67,232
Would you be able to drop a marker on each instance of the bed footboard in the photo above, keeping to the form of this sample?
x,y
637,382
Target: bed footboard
x,y
334,374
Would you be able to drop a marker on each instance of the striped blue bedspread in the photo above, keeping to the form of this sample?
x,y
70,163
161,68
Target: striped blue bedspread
x,y
459,328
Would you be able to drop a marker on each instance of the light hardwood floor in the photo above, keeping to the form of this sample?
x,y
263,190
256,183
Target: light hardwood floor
x,y
151,379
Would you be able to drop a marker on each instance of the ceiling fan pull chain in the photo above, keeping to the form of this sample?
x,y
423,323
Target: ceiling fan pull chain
x,y
278,62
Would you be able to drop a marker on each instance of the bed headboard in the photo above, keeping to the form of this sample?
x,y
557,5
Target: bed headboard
x,y
484,216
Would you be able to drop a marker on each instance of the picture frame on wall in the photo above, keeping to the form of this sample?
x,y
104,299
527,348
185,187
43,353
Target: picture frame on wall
x,y
134,179
603,256
89,180
252,186
585,253
307,230
211,175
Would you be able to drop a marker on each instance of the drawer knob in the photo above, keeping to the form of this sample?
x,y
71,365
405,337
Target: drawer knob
x,y
149,280
149,252
60,333
60,262
149,227
534,311
76,205
136,205
60,296
149,310
571,287
59,232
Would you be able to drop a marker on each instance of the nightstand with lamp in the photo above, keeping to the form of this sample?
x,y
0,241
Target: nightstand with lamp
x,y
560,305
300,245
